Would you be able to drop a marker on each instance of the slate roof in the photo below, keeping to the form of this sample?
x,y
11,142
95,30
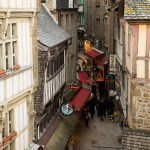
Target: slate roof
x,y
135,139
137,9
49,33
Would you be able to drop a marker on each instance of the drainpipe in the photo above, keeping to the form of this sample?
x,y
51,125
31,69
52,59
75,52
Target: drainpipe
x,y
93,20
87,18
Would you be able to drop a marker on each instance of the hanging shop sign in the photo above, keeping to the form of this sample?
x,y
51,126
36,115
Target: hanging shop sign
x,y
73,87
117,117
87,45
112,64
99,74
67,109
111,82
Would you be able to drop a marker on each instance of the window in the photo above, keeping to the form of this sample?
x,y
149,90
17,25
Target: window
x,y
51,67
8,48
13,29
10,121
48,70
61,20
6,55
97,3
11,146
13,52
129,40
57,63
3,130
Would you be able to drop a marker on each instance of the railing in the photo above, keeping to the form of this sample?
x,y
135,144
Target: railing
x,y
105,147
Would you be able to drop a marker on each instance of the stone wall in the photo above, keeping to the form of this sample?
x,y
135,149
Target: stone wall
x,y
69,23
140,105
38,100
135,139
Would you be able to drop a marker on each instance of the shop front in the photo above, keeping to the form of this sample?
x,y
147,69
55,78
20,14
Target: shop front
x,y
97,64
58,134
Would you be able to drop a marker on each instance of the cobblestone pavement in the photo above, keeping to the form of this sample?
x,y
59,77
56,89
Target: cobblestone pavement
x,y
100,133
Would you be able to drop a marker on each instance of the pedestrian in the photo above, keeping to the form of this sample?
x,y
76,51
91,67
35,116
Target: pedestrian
x,y
106,104
92,104
101,109
111,106
94,88
86,116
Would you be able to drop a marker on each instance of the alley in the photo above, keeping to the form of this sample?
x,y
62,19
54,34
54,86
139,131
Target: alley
x,y
100,133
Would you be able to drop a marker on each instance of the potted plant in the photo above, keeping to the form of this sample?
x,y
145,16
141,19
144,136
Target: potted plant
x,y
2,73
16,67
13,135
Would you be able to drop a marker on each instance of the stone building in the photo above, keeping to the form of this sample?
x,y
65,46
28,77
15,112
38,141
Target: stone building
x,y
52,45
99,23
119,49
66,14
18,72
137,57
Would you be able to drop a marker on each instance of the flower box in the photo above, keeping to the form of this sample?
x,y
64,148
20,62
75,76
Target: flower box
x,y
2,73
12,135
5,140
16,67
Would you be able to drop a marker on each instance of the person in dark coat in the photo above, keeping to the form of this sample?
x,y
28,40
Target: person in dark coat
x,y
94,88
92,104
111,106
101,109
106,104
86,115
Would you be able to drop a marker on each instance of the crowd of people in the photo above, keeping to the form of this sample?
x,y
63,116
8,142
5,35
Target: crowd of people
x,y
102,105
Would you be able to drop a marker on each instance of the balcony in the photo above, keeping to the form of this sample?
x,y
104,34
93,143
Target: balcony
x,y
14,82
7,139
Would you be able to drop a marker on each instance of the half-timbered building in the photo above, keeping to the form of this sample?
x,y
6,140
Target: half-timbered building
x,y
137,59
52,44
18,72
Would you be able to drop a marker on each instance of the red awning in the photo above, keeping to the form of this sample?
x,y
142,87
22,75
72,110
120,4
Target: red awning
x,y
83,77
81,97
102,62
92,53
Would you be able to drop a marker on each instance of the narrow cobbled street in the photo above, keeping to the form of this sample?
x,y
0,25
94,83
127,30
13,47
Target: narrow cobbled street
x,y
99,133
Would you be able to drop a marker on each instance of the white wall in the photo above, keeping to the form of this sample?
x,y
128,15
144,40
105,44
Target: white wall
x,y
14,85
21,126
24,47
26,4
53,86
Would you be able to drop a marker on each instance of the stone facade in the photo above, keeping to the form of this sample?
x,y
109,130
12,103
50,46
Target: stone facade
x,y
140,105
99,23
68,21
67,18
135,139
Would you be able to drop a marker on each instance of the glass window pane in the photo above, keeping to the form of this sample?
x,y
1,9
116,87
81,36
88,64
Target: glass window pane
x,y
13,60
7,66
6,49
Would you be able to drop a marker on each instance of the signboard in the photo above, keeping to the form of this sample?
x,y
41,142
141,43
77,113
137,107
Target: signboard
x,y
87,45
73,87
67,109
112,64
111,82
116,117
